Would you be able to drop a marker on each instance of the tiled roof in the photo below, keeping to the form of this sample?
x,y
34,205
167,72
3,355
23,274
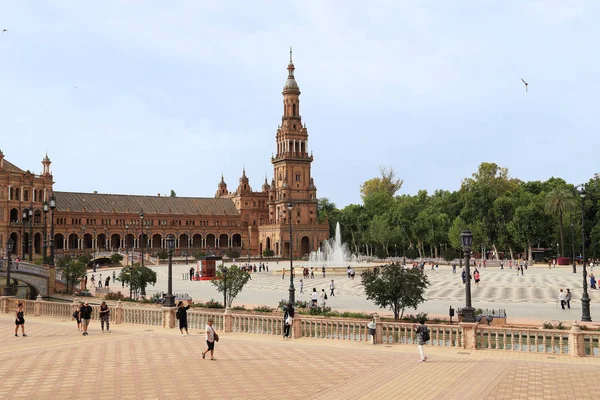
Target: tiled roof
x,y
10,167
119,203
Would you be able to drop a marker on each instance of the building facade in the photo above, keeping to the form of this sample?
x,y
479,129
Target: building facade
x,y
243,219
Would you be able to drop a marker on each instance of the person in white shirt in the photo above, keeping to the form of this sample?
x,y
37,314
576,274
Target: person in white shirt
x,y
211,337
331,288
323,297
562,297
314,297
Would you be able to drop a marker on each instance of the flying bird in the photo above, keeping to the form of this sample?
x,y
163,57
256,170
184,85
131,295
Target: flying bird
x,y
4,30
525,84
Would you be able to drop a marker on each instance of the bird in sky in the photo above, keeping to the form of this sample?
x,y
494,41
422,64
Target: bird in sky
x,y
4,30
525,84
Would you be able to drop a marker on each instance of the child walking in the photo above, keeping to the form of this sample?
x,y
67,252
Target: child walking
x,y
20,320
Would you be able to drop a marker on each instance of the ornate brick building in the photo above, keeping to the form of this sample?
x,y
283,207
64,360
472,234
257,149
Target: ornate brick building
x,y
245,220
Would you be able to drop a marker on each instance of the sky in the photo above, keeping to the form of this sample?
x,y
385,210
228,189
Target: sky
x,y
141,97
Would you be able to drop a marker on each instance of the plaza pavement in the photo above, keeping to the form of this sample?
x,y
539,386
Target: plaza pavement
x,y
530,298
145,362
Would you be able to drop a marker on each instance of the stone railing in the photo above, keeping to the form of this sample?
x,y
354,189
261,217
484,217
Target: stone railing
x,y
574,342
342,329
28,268
529,340
404,333
143,315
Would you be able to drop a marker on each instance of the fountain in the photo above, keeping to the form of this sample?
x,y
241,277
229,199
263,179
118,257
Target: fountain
x,y
332,252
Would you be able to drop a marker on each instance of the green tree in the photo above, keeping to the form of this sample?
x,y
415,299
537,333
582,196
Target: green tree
x,y
395,287
138,278
324,209
173,194
559,201
268,253
73,272
387,183
236,280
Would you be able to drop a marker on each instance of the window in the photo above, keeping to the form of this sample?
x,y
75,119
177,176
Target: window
x,y
297,177
26,195
294,112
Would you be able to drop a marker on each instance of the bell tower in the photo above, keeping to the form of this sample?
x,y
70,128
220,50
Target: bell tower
x,y
292,162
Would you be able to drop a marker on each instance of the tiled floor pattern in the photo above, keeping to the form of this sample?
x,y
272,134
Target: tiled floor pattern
x,y
139,362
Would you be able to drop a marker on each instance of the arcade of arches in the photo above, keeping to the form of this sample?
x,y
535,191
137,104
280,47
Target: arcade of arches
x,y
241,218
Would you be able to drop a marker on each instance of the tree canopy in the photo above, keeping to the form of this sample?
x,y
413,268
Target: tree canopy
x,y
235,282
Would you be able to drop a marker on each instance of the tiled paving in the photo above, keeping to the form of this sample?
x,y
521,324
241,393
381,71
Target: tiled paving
x,y
143,362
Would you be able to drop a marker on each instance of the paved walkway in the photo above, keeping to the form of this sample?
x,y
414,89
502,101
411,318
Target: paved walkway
x,y
144,362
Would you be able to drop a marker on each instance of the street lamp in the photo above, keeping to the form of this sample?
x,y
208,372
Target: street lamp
x,y
395,252
142,234
585,299
466,238
573,247
94,243
73,242
83,239
52,207
169,298
24,221
292,299
31,233
126,248
224,272
45,251
9,249
105,239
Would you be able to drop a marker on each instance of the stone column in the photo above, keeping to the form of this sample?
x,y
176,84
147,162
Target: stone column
x,y
378,328
469,335
37,306
51,279
5,303
169,320
576,342
119,313
227,321
297,326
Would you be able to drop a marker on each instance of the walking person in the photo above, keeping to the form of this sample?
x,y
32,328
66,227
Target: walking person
x,y
114,276
288,320
77,316
181,315
332,288
568,299
323,269
107,282
314,297
85,314
105,315
422,338
312,273
20,320
477,277
301,286
323,297
191,273
211,338
562,298
283,273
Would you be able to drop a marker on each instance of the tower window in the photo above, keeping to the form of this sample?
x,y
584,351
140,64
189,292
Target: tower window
x,y
297,177
294,125
294,112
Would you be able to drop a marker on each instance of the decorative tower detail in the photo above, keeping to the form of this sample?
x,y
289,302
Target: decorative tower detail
x,y
222,188
46,166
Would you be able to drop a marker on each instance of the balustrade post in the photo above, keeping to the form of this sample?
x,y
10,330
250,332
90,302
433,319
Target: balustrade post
x,y
378,328
119,313
227,321
5,304
297,326
576,342
169,320
37,306
51,279
469,334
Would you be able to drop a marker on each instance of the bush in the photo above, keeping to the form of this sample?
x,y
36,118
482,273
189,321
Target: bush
x,y
84,293
163,255
301,304
268,253
232,253
213,304
114,296
239,308
116,258
415,318
263,309
199,254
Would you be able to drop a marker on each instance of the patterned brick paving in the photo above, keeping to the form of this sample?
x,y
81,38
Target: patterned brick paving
x,y
139,362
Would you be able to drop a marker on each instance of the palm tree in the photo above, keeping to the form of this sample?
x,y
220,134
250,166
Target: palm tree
x,y
557,202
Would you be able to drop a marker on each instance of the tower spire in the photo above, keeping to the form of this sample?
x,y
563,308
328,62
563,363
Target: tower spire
x,y
291,55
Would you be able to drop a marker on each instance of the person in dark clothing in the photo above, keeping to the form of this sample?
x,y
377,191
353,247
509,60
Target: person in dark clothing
x,y
85,314
191,273
182,317
105,315
20,320
107,281
288,320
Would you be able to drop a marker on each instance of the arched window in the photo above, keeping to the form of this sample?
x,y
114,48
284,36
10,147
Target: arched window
x,y
294,109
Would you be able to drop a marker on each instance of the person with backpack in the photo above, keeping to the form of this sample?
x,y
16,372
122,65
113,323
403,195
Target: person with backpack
x,y
105,315
85,314
181,315
288,320
422,337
